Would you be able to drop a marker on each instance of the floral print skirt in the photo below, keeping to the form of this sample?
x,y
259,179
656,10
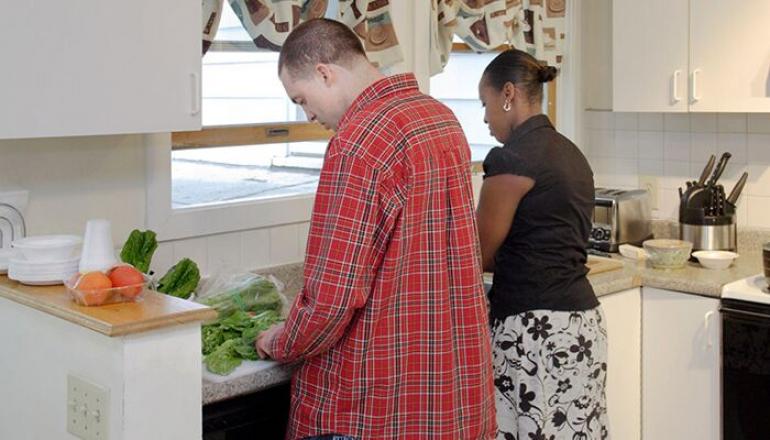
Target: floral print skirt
x,y
550,374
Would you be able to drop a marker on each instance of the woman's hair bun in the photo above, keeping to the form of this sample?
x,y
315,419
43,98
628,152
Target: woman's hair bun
x,y
547,73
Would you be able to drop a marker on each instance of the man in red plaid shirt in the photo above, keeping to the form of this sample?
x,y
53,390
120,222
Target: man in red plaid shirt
x,y
392,321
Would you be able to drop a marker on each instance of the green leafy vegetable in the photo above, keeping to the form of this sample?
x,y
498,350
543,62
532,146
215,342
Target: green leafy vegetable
x,y
181,280
257,295
138,249
224,359
230,339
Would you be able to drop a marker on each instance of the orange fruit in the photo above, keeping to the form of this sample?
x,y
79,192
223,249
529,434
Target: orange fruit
x,y
94,288
93,280
124,276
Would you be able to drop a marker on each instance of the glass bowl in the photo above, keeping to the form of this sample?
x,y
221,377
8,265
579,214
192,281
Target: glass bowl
x,y
107,295
668,254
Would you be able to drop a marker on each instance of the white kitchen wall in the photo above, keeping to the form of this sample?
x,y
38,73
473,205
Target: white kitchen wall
x,y
73,179
76,178
674,148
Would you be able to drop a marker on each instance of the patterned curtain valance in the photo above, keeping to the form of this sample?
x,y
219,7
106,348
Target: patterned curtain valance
x,y
211,14
269,22
536,26
372,22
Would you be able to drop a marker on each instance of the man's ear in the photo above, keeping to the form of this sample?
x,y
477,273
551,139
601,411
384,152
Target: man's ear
x,y
325,73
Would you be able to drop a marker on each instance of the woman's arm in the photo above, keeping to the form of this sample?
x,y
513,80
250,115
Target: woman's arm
x,y
499,198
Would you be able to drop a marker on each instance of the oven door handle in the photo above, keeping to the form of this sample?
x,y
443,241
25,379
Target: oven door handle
x,y
707,329
745,313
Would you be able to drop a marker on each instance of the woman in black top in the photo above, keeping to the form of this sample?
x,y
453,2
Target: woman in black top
x,y
534,217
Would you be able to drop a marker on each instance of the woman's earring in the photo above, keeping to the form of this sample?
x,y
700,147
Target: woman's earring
x,y
507,106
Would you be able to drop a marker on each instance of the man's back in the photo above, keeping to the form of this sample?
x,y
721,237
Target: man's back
x,y
393,268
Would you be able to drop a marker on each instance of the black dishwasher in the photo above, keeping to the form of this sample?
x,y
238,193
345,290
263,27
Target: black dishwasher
x,y
745,370
262,415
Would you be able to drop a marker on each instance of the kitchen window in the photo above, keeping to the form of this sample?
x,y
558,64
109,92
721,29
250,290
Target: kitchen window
x,y
457,87
255,144
257,160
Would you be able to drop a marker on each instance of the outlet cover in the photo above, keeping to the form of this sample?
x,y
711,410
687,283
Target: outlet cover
x,y
88,408
650,183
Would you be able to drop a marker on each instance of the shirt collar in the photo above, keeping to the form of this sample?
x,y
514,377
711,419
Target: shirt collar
x,y
533,123
379,89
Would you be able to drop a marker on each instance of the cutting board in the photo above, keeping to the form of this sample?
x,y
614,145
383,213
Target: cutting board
x,y
598,265
246,368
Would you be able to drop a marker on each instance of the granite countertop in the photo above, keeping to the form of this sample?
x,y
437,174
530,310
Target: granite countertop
x,y
692,279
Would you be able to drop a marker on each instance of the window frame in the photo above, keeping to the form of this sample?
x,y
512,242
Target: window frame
x,y
218,218
551,107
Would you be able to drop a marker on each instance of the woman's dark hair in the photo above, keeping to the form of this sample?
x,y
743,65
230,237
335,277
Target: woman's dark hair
x,y
522,70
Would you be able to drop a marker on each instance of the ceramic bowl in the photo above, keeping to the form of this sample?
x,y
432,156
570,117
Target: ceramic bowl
x,y
667,254
44,248
715,259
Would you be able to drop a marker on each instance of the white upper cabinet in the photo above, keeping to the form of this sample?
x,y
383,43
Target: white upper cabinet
x,y
691,55
649,55
86,67
730,56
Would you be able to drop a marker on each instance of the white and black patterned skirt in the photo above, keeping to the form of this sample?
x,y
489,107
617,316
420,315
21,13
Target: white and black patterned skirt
x,y
550,375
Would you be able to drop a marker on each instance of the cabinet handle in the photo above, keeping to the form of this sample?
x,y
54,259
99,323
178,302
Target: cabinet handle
x,y
695,96
195,108
675,86
707,329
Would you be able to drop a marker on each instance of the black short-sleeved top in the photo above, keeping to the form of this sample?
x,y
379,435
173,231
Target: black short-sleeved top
x,y
541,263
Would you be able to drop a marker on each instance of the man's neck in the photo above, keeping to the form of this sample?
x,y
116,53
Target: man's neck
x,y
362,77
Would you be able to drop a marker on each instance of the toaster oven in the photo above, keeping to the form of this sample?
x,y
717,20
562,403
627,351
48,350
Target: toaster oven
x,y
620,216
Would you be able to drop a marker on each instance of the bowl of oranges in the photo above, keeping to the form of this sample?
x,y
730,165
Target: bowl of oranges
x,y
122,283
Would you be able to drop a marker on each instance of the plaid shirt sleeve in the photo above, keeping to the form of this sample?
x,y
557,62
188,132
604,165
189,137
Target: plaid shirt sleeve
x,y
339,265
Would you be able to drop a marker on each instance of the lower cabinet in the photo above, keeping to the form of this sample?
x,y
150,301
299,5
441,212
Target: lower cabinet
x,y
680,366
622,311
261,415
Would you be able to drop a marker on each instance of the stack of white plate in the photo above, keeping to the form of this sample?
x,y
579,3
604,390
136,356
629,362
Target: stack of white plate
x,y
42,273
44,259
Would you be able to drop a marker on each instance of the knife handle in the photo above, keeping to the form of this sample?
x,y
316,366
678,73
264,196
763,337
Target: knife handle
x,y
706,171
733,197
720,168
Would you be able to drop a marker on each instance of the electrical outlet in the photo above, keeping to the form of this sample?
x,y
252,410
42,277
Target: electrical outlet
x,y
650,183
88,408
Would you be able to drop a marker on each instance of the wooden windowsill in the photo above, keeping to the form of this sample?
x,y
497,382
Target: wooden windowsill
x,y
235,135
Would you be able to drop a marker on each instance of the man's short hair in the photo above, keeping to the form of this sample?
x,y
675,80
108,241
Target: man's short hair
x,y
320,40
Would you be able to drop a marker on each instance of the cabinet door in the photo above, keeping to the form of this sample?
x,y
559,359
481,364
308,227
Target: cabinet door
x,y
680,366
649,55
730,56
623,313
84,67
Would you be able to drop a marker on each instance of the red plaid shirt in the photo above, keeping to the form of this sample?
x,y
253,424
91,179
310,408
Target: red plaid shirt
x,y
392,319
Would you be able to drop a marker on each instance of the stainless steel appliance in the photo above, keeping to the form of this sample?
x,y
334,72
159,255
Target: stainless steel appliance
x,y
620,216
745,311
706,214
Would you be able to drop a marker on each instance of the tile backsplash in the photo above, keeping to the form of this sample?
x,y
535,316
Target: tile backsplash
x,y
242,250
674,148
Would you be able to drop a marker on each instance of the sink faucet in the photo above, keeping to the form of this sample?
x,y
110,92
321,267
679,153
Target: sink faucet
x,y
18,228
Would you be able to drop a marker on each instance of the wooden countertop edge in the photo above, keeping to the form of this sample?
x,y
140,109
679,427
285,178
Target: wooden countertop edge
x,y
200,313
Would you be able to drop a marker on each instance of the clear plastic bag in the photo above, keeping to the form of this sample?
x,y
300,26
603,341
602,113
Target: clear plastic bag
x,y
230,291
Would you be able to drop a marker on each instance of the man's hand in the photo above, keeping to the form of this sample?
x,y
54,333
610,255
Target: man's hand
x,y
265,339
